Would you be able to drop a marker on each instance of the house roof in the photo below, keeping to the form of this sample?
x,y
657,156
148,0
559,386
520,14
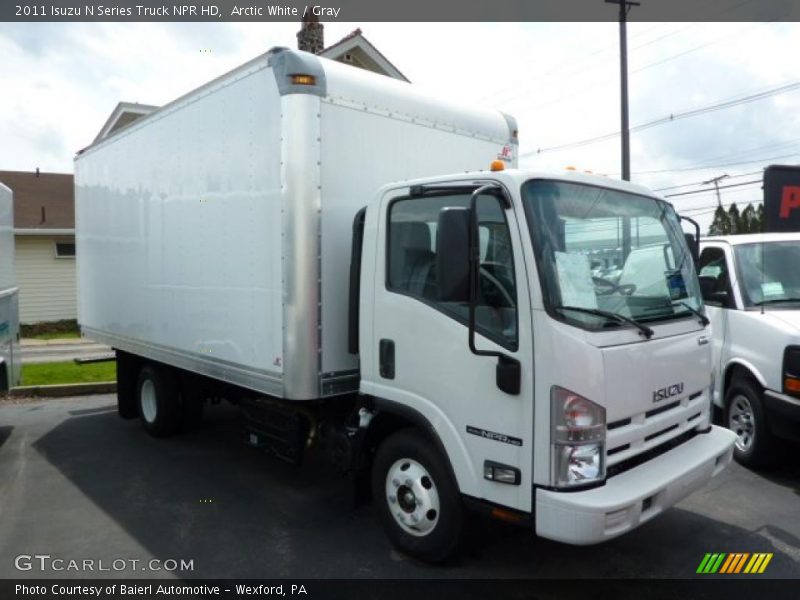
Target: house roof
x,y
41,201
124,114
356,49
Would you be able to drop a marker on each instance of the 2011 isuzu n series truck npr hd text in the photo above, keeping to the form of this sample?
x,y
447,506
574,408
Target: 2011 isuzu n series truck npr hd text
x,y
445,339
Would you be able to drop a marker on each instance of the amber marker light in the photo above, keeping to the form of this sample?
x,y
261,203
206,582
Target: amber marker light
x,y
300,79
497,165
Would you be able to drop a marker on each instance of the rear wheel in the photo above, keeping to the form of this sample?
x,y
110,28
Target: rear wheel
x,y
158,401
745,416
418,501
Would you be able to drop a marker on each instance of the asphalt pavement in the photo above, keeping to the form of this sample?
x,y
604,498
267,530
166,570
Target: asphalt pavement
x,y
77,482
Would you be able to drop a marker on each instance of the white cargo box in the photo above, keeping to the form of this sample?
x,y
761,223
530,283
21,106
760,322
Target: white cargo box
x,y
10,364
214,234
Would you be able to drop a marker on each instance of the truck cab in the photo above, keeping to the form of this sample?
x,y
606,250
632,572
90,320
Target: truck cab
x,y
751,287
539,391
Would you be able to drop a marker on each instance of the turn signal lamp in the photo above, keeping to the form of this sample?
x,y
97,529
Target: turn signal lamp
x,y
790,384
300,79
497,165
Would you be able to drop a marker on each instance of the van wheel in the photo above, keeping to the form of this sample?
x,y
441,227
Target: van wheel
x,y
418,501
157,397
744,415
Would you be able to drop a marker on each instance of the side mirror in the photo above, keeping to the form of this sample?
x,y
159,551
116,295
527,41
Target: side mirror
x,y
721,298
694,246
452,254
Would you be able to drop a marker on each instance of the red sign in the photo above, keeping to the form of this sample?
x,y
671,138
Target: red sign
x,y
790,199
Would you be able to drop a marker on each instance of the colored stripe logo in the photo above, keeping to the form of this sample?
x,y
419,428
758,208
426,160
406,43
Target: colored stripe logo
x,y
734,563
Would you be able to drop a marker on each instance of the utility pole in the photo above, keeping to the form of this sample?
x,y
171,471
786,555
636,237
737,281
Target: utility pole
x,y
715,181
729,227
624,6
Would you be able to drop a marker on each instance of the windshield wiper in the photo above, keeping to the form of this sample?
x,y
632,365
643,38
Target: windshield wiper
x,y
644,329
776,301
703,319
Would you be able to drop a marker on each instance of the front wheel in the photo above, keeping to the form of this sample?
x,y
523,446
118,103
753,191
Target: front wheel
x,y
745,416
418,501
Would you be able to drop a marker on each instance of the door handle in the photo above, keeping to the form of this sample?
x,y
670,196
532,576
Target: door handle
x,y
386,359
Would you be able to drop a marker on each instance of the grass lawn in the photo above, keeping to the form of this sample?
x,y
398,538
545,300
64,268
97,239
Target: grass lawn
x,y
68,372
63,335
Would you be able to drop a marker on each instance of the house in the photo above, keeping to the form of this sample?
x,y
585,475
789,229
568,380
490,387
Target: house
x,y
353,49
44,244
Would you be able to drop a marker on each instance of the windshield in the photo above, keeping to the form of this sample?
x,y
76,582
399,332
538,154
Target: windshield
x,y
769,273
601,250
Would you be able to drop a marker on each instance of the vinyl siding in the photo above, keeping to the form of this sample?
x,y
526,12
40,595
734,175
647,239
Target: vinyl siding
x,y
46,283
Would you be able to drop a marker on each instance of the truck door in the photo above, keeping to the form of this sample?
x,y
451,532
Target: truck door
x,y
714,271
421,358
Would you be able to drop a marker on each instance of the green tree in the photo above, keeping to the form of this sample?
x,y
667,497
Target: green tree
x,y
734,219
748,221
720,225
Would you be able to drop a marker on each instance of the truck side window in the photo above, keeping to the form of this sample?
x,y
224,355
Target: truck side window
x,y
715,277
411,262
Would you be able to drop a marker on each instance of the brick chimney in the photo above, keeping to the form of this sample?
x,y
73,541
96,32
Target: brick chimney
x,y
310,36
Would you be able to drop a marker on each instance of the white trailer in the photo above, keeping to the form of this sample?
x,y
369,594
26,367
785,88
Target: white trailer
x,y
445,339
10,366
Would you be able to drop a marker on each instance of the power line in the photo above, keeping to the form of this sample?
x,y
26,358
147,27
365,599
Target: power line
x,y
715,166
713,189
675,187
736,101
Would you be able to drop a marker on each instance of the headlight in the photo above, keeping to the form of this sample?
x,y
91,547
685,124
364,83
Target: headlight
x,y
578,433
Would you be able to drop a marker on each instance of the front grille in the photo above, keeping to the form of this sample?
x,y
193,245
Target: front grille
x,y
640,433
642,458
661,409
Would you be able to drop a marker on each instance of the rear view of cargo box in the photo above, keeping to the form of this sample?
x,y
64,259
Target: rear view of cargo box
x,y
214,234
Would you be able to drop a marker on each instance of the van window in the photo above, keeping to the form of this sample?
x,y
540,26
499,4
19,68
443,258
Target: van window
x,y
411,263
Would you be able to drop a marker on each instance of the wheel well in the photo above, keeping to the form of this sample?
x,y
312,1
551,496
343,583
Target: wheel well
x,y
736,371
389,419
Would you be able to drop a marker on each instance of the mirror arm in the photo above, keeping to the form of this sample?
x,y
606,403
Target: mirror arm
x,y
508,373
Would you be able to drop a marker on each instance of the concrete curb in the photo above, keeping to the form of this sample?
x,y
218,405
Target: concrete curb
x,y
61,391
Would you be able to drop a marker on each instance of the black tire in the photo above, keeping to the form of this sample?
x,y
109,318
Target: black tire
x,y
438,535
127,388
157,401
745,416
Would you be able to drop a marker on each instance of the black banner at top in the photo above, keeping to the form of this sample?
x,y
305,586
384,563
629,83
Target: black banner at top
x,y
782,198
397,10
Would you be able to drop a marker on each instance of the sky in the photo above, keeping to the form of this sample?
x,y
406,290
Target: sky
x,y
59,82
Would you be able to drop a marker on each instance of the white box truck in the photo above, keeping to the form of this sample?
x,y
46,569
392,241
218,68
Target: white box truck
x,y
10,365
442,336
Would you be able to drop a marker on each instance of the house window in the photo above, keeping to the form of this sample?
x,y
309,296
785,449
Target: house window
x,y
65,249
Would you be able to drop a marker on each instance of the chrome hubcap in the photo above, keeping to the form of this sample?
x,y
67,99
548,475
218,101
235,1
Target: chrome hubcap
x,y
742,422
412,497
148,401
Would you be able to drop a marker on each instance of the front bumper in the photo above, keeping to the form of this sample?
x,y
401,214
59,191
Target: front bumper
x,y
634,497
